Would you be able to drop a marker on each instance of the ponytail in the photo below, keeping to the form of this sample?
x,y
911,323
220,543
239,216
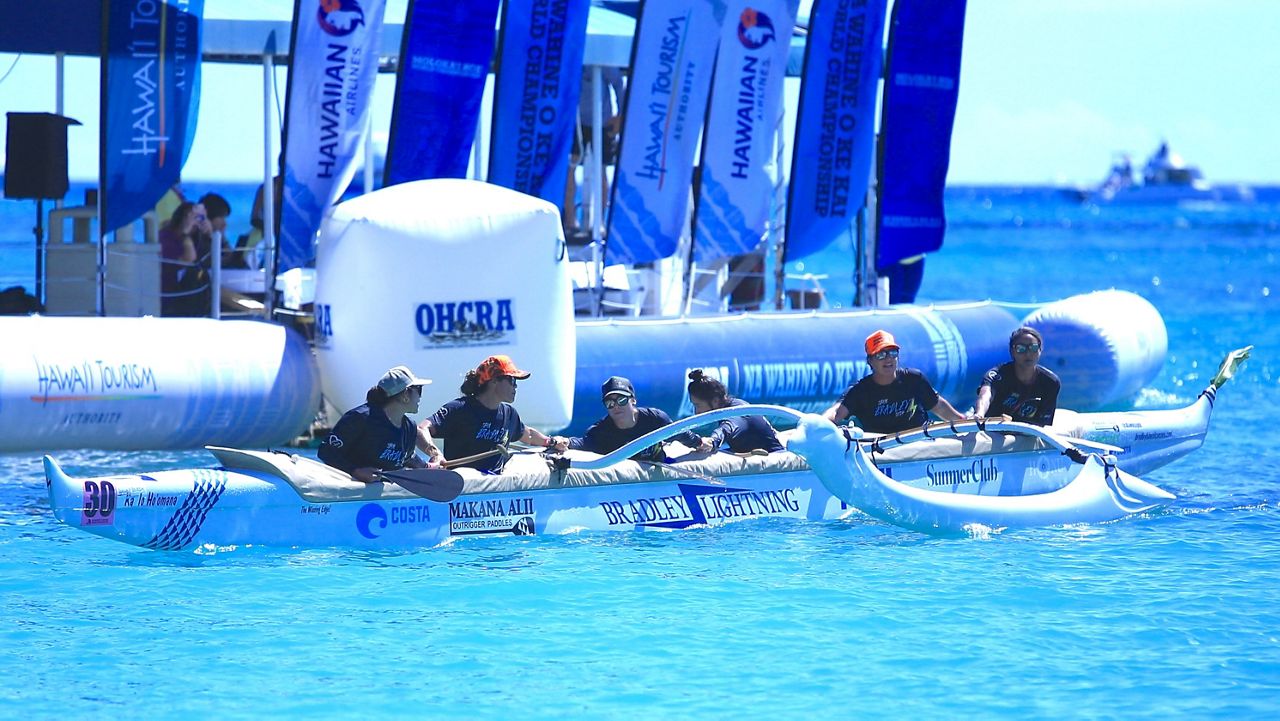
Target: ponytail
x,y
471,385
376,397
704,386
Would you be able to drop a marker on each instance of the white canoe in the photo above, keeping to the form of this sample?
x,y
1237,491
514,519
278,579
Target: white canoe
x,y
1148,440
283,500
275,499
1094,491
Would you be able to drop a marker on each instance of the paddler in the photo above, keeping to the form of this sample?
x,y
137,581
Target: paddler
x,y
891,399
483,419
378,435
1022,389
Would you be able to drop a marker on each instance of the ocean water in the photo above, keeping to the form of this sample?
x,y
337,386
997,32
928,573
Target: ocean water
x,y
1174,613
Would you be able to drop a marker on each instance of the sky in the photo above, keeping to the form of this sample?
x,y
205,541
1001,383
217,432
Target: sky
x,y
1049,91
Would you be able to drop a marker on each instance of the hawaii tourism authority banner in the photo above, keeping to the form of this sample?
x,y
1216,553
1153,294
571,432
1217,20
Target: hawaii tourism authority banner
x,y
535,106
671,64
335,59
922,86
835,123
444,62
738,169
150,90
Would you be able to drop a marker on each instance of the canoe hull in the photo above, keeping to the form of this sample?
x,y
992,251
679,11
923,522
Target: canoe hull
x,y
218,507
1095,492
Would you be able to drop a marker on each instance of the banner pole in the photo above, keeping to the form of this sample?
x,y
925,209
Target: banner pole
x,y
105,53
268,180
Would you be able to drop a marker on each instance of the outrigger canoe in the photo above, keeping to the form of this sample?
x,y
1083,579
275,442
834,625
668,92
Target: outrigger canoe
x,y
277,499
1086,488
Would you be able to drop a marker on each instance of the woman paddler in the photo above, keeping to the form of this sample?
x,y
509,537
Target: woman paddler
x,y
378,435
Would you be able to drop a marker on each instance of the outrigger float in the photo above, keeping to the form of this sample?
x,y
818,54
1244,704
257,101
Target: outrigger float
x,y
941,478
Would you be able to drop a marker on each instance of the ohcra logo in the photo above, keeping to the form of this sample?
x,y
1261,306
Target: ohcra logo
x,y
755,29
324,324
340,17
451,324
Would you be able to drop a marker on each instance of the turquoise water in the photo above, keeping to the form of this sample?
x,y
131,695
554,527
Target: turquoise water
x,y
1173,613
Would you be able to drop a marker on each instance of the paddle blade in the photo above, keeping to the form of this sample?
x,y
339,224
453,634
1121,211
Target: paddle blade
x,y
1230,365
433,484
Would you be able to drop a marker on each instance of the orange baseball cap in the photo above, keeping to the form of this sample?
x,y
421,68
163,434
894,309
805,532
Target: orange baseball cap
x,y
499,365
878,341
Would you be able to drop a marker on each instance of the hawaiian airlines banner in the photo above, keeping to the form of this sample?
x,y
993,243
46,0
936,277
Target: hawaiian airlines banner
x,y
535,106
671,64
444,62
922,85
150,92
835,124
738,169
335,59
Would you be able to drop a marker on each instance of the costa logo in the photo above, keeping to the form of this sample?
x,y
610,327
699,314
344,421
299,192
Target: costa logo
x,y
755,29
373,513
368,514
340,17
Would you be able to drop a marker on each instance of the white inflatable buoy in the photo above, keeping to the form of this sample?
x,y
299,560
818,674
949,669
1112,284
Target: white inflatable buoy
x,y
437,275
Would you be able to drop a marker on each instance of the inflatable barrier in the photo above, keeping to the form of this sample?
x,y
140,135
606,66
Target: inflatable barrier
x,y
150,383
439,274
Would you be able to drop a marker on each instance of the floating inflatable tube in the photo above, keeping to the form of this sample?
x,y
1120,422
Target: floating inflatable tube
x,y
152,383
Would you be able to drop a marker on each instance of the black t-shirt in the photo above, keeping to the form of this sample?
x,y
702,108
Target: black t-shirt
x,y
1035,403
899,406
605,437
364,438
468,428
745,433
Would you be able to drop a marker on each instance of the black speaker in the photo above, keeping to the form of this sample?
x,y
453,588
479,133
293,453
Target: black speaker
x,y
35,155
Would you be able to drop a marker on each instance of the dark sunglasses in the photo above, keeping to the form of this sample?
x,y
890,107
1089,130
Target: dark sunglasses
x,y
1026,347
510,380
891,353
610,403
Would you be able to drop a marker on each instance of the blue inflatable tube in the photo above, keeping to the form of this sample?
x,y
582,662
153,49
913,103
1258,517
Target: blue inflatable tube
x,y
801,360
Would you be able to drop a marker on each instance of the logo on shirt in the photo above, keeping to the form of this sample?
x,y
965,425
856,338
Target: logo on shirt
x,y
469,323
392,453
901,408
489,432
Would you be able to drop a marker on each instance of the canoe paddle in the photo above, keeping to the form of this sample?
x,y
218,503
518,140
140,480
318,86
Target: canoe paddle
x,y
433,484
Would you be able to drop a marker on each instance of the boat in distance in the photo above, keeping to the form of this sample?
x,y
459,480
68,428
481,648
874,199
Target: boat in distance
x,y
1165,179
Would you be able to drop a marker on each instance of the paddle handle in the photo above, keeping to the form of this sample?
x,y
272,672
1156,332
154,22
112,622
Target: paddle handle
x,y
455,462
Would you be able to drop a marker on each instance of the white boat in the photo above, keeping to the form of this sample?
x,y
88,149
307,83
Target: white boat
x,y
1092,490
275,499
1151,439
1165,178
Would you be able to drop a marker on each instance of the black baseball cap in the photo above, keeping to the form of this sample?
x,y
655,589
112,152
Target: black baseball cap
x,y
617,385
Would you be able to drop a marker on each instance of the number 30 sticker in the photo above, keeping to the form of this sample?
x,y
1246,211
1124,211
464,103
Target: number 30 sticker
x,y
99,504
